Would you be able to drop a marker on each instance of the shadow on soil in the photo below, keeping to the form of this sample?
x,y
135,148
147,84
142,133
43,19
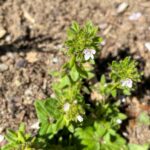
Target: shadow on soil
x,y
25,44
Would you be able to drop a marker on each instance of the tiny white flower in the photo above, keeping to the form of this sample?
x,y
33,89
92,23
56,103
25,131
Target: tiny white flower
x,y
122,99
79,118
127,83
35,125
119,121
75,102
66,107
103,43
89,53
1,138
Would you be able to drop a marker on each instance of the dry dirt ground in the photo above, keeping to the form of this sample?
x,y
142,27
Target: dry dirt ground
x,y
32,33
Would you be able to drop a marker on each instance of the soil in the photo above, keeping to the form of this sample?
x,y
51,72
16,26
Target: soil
x,y
32,33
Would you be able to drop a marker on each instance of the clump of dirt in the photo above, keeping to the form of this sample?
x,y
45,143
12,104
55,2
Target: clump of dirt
x,y
32,34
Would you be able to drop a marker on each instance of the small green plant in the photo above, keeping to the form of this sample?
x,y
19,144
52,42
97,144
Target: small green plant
x,y
18,140
70,120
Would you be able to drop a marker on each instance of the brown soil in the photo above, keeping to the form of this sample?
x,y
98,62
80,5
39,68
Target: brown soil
x,y
31,36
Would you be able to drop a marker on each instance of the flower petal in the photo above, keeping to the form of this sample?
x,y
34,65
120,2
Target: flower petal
x,y
87,56
93,51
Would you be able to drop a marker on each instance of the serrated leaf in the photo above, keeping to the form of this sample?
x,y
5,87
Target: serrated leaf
x,y
11,136
75,26
41,111
21,137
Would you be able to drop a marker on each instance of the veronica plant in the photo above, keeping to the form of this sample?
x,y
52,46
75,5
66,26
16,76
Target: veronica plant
x,y
69,120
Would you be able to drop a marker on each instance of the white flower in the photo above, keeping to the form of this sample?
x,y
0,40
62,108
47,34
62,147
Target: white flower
x,y
66,107
89,53
79,118
75,102
119,121
122,99
1,138
127,83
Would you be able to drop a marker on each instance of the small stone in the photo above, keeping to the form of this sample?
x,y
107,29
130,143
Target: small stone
x,y
55,60
1,128
135,16
3,67
122,7
147,45
10,55
17,83
8,38
35,125
4,58
2,32
1,138
32,57
125,134
21,63
28,92
22,54
103,26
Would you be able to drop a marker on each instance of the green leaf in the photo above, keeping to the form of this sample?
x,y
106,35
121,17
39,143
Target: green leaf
x,y
21,137
72,61
51,107
114,93
64,82
11,136
138,147
22,127
74,73
103,80
75,26
41,111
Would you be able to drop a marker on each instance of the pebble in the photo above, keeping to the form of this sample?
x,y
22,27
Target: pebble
x,y
125,134
35,125
21,63
2,32
8,38
28,92
147,45
135,16
10,55
31,57
1,138
103,26
4,58
122,7
3,67
22,54
55,60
